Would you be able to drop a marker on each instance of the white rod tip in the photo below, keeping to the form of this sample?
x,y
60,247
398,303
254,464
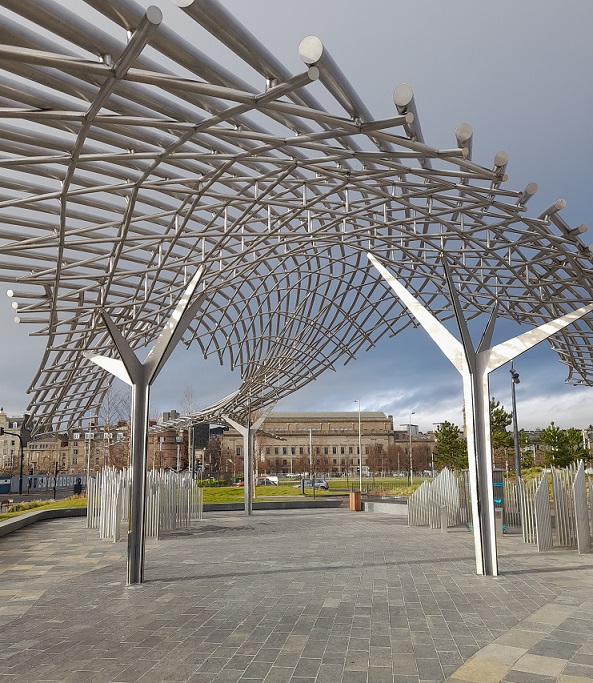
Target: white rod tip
x,y
403,95
311,50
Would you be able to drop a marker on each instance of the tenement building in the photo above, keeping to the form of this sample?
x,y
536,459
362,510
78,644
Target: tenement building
x,y
290,443
9,441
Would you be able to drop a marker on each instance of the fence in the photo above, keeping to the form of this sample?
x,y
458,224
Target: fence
x,y
526,505
573,512
173,501
425,504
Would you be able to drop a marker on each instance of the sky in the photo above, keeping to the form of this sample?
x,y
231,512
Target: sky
x,y
519,73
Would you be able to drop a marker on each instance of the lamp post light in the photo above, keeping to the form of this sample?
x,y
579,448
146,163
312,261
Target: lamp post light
x,y
515,380
359,450
233,464
410,446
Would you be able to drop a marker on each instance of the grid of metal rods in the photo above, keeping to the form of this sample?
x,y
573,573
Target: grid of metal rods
x,y
128,159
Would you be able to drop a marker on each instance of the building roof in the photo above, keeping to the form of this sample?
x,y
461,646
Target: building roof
x,y
325,415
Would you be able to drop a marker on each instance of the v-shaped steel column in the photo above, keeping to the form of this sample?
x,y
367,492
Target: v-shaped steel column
x,y
140,376
248,432
475,365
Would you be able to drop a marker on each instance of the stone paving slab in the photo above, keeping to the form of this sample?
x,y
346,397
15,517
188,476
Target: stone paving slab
x,y
290,597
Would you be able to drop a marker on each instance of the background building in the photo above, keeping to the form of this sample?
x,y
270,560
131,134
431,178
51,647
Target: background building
x,y
282,444
9,443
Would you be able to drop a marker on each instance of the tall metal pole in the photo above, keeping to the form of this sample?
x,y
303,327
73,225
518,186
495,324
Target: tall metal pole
x,y
21,458
140,375
359,449
411,472
138,450
311,461
515,380
248,433
475,365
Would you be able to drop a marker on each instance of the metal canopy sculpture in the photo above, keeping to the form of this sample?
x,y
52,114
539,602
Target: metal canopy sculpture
x,y
129,159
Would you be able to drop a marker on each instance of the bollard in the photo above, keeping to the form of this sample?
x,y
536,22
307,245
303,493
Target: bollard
x,y
498,522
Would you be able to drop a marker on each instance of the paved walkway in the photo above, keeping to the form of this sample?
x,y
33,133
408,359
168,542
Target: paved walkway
x,y
291,597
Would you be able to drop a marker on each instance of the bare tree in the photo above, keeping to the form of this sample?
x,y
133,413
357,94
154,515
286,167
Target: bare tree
x,y
214,455
397,457
421,456
115,407
375,459
322,463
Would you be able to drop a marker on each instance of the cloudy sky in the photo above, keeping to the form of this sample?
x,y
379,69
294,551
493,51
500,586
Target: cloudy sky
x,y
519,73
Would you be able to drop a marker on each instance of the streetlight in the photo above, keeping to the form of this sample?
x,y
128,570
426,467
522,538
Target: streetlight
x,y
359,449
515,380
233,464
21,455
311,474
410,444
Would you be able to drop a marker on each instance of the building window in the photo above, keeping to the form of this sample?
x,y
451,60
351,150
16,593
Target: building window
x,y
276,451
350,450
284,451
334,450
342,450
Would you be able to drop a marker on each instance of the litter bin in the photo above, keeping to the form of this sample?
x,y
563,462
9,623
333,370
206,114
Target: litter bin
x,y
355,501
4,485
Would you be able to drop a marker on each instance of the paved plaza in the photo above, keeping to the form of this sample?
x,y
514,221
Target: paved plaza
x,y
307,596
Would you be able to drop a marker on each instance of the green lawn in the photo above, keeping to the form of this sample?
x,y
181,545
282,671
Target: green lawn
x,y
20,508
234,494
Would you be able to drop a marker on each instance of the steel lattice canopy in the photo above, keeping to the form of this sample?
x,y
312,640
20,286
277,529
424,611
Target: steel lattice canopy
x,y
120,177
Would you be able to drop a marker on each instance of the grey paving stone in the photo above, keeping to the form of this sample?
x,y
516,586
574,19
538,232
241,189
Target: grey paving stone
x,y
572,669
261,595
523,677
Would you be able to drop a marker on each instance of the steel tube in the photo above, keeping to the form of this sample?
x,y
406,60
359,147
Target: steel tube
x,y
138,451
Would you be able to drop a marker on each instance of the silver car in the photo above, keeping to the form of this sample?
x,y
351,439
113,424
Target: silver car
x,y
318,484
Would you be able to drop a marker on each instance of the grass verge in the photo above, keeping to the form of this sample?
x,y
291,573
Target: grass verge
x,y
21,508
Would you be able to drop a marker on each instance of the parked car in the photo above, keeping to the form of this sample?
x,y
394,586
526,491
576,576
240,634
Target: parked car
x,y
267,481
317,483
239,483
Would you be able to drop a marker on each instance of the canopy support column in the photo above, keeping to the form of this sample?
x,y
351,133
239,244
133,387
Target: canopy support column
x,y
248,432
140,375
475,365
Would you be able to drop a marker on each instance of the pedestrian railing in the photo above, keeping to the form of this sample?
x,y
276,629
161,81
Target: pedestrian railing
x,y
437,503
173,501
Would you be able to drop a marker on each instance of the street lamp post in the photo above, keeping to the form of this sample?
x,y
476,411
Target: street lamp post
x,y
311,474
21,457
359,449
410,446
515,380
